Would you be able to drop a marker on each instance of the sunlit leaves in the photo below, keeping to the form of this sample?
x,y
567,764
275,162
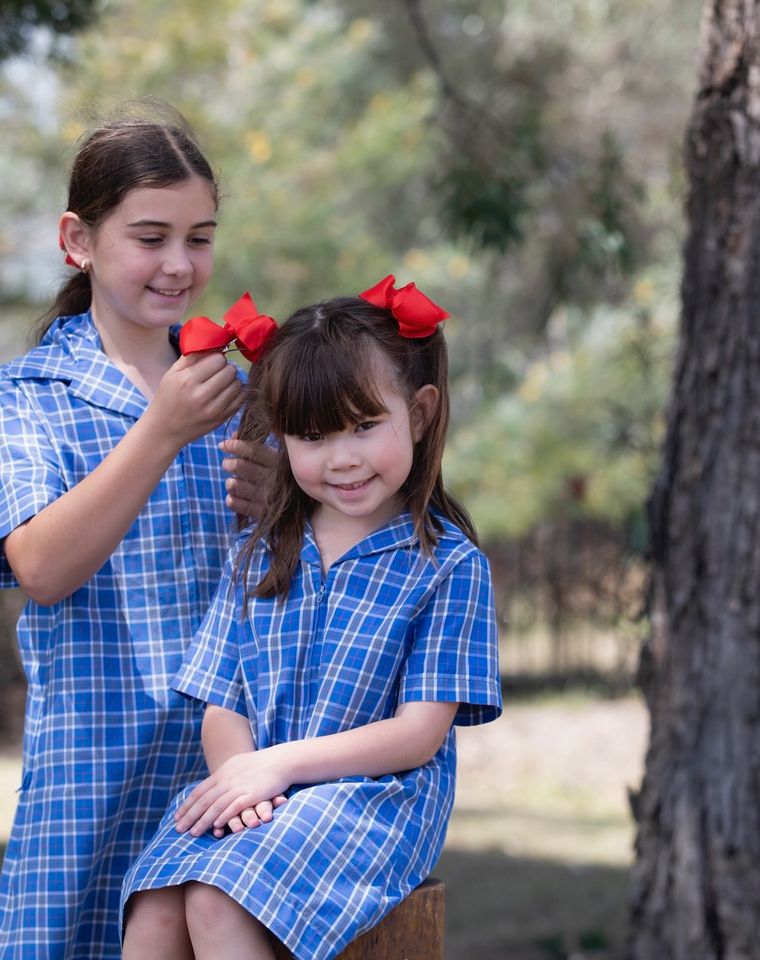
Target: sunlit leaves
x,y
581,434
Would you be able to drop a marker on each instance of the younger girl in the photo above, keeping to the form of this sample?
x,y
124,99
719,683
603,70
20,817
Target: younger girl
x,y
351,628
113,519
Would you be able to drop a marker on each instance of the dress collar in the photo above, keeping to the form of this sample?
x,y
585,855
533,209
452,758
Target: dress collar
x,y
398,532
72,350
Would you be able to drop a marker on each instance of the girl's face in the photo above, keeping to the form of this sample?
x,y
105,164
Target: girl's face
x,y
358,472
152,256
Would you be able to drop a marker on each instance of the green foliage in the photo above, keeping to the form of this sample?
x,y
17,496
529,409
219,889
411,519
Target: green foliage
x,y
526,175
19,19
581,434
486,211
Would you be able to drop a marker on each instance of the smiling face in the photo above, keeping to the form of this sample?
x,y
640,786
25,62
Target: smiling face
x,y
357,473
152,257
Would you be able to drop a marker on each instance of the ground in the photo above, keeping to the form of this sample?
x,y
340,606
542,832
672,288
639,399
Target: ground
x,y
538,851
537,857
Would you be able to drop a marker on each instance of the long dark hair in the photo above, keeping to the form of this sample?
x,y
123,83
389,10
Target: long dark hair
x,y
318,375
117,157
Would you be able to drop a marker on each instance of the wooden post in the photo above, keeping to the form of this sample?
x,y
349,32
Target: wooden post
x,y
412,931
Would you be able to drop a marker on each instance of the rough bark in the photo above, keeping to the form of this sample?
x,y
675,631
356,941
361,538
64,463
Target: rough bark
x,y
696,882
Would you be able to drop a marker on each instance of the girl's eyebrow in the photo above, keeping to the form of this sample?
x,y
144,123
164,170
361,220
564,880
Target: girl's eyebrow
x,y
163,223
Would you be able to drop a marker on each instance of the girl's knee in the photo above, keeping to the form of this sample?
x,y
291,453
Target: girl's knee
x,y
153,918
206,907
155,908
212,914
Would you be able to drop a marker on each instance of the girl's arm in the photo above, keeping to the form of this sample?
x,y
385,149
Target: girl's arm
x,y
224,734
63,546
405,741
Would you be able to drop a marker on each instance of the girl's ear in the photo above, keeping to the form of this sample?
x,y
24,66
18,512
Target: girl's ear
x,y
424,406
75,237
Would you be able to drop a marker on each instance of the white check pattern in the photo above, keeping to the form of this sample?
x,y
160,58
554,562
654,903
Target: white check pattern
x,y
385,625
107,743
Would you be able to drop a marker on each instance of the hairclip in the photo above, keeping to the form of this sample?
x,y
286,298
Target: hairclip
x,y
416,314
242,323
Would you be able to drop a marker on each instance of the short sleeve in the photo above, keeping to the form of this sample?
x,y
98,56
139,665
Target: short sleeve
x,y
30,473
211,671
455,653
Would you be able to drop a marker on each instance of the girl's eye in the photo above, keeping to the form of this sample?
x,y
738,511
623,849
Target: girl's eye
x,y
151,241
200,241
366,425
311,437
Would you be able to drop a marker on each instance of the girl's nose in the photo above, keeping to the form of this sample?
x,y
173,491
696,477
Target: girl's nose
x,y
176,261
342,453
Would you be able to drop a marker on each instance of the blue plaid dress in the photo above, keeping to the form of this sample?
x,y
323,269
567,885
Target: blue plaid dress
x,y
385,625
107,744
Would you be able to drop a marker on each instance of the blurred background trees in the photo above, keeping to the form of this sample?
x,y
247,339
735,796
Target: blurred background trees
x,y
523,168
521,161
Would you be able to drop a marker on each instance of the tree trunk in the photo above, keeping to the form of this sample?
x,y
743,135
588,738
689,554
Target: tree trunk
x,y
696,882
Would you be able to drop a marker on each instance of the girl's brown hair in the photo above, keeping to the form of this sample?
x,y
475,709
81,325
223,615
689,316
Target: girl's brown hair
x,y
318,375
118,157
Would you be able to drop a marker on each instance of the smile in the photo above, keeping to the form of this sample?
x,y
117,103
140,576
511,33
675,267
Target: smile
x,y
167,293
357,485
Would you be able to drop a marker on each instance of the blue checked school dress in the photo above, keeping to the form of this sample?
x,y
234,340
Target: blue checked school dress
x,y
107,744
384,626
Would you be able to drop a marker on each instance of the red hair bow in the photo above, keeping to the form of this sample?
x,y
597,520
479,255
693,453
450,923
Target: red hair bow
x,y
417,315
242,322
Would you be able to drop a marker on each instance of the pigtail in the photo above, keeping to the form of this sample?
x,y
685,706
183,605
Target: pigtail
x,y
73,298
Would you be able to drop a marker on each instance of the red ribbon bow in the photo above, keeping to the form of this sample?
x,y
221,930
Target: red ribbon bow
x,y
242,322
417,315
67,259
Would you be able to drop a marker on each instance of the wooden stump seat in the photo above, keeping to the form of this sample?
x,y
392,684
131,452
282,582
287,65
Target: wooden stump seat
x,y
412,931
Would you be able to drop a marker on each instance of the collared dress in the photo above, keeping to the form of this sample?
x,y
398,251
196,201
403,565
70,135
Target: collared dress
x,y
107,744
385,625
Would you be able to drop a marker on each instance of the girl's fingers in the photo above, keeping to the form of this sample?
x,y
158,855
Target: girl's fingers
x,y
211,807
197,796
258,454
250,817
201,807
263,811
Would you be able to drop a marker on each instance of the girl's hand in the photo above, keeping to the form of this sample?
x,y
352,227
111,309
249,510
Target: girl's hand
x,y
195,395
239,784
251,469
253,816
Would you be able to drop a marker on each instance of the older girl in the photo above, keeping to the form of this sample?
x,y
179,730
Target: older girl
x,y
112,520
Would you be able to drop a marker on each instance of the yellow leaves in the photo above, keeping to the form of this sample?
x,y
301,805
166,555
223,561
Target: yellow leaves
x,y
458,266
643,292
72,131
381,104
347,261
360,32
278,14
305,78
259,146
416,260
532,387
